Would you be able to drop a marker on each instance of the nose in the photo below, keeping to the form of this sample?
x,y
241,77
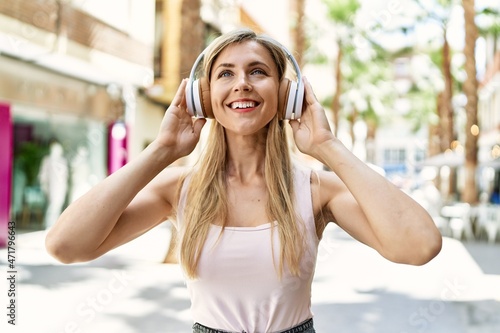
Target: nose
x,y
242,83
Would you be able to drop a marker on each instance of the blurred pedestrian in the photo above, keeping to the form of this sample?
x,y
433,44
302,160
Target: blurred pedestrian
x,y
249,218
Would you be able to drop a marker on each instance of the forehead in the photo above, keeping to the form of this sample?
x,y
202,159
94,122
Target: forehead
x,y
244,53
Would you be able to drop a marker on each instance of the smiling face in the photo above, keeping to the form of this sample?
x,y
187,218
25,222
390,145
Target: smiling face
x,y
244,87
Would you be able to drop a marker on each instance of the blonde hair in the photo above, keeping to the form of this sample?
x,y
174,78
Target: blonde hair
x,y
206,197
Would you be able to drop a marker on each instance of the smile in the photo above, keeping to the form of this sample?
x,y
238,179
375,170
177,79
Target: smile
x,y
243,105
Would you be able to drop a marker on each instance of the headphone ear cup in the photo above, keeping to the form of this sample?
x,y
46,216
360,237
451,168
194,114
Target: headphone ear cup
x,y
189,98
299,100
288,102
283,95
206,102
197,107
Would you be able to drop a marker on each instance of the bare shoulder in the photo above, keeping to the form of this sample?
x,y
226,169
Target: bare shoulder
x,y
167,183
326,186
171,175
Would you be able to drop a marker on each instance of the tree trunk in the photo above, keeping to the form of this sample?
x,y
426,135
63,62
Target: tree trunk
x,y
470,91
446,111
298,34
434,145
446,117
371,133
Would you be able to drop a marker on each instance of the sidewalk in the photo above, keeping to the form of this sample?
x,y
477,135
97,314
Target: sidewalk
x,y
355,290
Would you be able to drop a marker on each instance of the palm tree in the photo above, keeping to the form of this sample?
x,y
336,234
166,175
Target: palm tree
x,y
423,103
369,89
439,13
445,107
470,90
441,132
362,72
341,13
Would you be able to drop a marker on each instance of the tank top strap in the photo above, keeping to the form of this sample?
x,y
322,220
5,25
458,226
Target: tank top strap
x,y
303,196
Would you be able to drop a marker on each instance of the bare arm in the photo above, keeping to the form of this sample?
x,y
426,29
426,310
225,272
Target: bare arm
x,y
376,212
363,202
132,200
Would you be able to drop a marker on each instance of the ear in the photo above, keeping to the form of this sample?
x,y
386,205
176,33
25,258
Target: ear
x,y
206,102
283,95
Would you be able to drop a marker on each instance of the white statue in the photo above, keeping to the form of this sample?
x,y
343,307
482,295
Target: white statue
x,y
54,182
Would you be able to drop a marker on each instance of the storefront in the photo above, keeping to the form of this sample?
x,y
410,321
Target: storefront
x,y
60,139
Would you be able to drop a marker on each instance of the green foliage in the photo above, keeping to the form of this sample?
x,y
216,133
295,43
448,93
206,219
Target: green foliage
x,y
342,11
488,21
423,108
28,157
317,58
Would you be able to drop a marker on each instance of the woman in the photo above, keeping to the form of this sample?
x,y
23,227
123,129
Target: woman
x,y
249,220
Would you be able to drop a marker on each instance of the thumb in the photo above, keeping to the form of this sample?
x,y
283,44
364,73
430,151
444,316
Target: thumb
x,y
294,123
198,125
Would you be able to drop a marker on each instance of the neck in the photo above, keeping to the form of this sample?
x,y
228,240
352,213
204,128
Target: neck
x,y
246,157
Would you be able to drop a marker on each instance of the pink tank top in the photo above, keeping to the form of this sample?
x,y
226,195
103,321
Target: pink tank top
x,y
238,289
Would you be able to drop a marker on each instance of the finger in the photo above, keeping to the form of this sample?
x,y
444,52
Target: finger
x,y
179,98
309,93
198,125
294,124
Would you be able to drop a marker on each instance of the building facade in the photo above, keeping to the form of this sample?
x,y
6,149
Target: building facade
x,y
86,85
72,73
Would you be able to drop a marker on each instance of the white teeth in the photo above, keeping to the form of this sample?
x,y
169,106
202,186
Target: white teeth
x,y
242,105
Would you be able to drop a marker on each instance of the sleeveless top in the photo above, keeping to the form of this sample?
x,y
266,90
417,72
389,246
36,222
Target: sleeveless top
x,y
238,289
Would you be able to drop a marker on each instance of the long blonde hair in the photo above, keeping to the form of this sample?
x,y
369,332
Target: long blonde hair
x,y
206,197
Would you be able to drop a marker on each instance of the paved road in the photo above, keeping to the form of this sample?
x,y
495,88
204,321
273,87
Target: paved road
x,y
354,291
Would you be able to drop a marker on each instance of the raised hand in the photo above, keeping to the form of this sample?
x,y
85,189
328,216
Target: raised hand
x,y
312,130
178,131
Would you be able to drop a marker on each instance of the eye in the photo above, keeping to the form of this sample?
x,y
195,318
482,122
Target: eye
x,y
225,74
258,71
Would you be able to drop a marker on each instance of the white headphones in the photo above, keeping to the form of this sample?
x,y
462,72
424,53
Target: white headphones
x,y
290,99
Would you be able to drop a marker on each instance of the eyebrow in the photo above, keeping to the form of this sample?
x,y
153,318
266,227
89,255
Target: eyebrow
x,y
253,63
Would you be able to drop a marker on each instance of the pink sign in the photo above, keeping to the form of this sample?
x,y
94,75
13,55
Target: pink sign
x,y
117,146
5,170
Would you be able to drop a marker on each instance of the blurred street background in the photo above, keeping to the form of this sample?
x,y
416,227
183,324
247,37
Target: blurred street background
x,y
412,87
